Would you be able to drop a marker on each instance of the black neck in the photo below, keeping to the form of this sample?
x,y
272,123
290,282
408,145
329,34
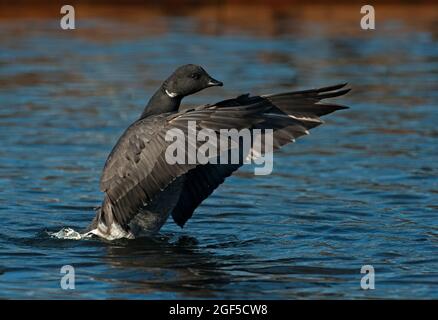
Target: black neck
x,y
161,102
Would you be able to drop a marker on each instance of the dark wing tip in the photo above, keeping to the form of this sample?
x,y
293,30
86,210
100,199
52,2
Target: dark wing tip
x,y
332,93
332,88
317,93
334,106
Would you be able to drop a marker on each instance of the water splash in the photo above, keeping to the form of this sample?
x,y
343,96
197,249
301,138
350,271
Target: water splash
x,y
69,234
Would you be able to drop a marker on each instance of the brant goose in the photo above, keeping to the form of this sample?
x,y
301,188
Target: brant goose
x,y
142,189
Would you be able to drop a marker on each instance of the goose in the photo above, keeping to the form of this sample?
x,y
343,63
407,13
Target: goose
x,y
141,189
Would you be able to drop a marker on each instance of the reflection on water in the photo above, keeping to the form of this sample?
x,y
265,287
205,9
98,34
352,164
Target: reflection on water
x,y
360,190
161,265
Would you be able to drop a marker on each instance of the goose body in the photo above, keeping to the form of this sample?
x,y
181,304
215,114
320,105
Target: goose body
x,y
141,189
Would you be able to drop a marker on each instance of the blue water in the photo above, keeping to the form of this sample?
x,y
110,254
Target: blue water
x,y
360,190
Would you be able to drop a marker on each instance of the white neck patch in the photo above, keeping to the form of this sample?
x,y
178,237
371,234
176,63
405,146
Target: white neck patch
x,y
171,94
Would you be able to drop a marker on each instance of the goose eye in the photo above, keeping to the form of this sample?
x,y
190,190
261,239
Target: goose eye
x,y
195,76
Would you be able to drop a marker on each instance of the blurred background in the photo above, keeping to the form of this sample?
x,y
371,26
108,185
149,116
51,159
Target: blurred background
x,y
361,189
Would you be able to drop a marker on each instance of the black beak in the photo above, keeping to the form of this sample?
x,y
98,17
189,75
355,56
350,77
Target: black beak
x,y
214,83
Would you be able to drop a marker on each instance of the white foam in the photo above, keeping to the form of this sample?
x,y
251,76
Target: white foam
x,y
69,234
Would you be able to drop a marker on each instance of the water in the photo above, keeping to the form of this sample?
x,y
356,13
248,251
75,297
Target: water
x,y
361,189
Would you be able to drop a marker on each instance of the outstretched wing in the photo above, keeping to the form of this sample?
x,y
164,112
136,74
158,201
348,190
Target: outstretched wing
x,y
290,115
136,170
